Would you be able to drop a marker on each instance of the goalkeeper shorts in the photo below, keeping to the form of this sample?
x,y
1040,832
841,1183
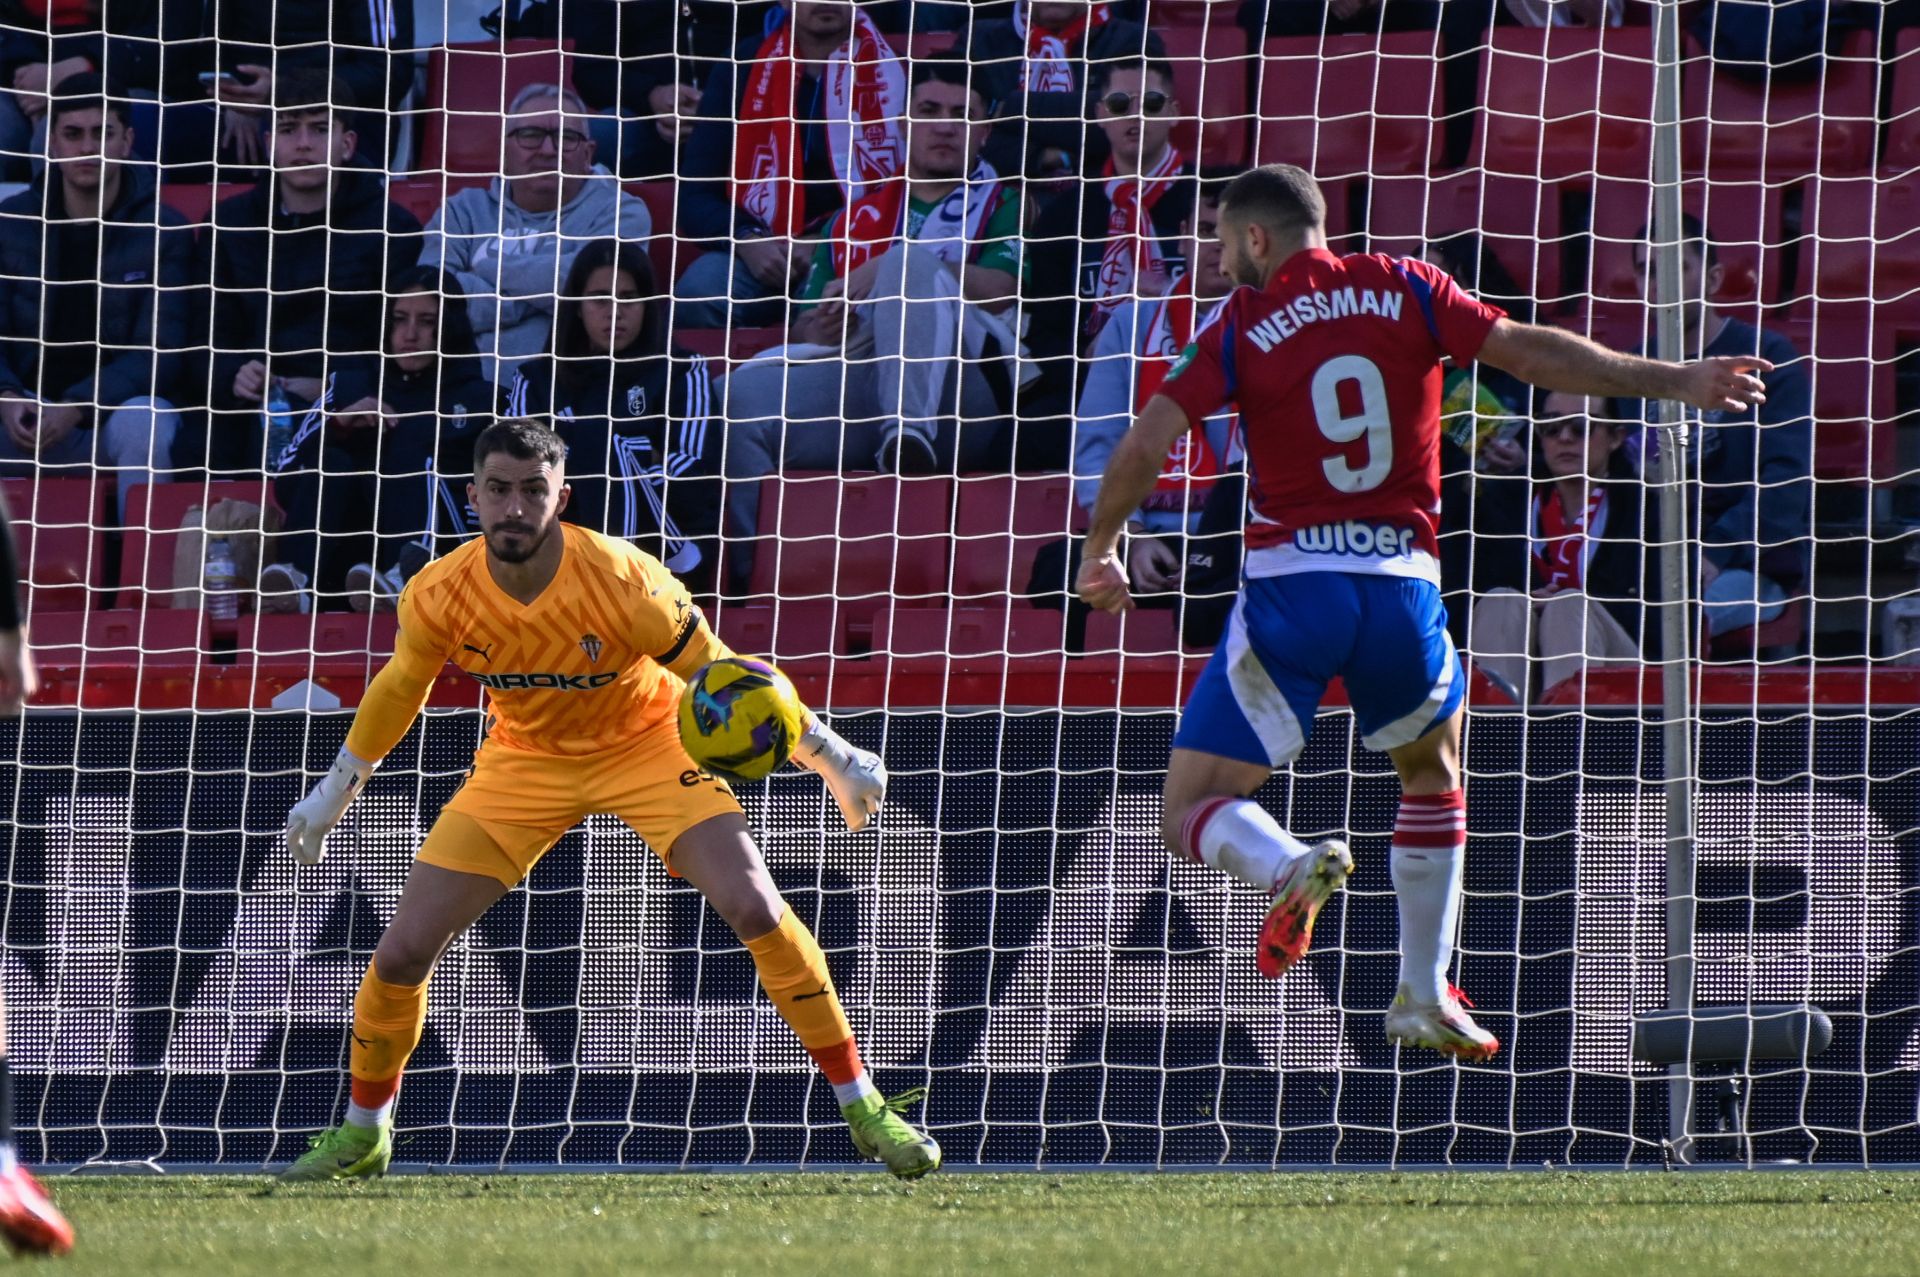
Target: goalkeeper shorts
x,y
1385,637
524,802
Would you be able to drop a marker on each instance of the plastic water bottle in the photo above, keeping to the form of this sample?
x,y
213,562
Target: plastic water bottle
x,y
277,423
222,581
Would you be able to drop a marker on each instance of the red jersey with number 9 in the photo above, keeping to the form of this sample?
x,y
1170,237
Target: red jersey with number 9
x,y
1335,365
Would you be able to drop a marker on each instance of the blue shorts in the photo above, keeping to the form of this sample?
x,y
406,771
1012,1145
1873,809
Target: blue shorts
x,y
1386,636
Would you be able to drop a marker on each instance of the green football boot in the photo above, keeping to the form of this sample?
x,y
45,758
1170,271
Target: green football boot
x,y
345,1152
881,1133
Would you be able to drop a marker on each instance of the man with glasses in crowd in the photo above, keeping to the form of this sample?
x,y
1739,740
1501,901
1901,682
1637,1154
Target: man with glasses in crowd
x,y
511,243
1040,62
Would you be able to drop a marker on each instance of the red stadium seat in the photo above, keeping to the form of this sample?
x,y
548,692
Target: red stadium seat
x,y
1862,243
1782,128
927,44
56,526
999,524
318,636
970,632
786,630
730,344
861,540
1743,218
118,637
153,518
1903,129
468,89
1349,106
1174,14
670,256
194,201
1565,102
1519,219
1210,66
1141,632
1785,630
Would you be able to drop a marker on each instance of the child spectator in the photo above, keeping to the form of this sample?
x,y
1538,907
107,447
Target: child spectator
x,y
373,481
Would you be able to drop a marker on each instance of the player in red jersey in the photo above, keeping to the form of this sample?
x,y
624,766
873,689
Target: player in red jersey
x,y
1335,363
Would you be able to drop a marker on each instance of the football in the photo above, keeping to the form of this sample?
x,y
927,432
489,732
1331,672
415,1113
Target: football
x,y
740,719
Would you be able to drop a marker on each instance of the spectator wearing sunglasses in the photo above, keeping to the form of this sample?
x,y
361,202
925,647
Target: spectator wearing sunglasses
x,y
1039,64
1562,572
1114,240
511,243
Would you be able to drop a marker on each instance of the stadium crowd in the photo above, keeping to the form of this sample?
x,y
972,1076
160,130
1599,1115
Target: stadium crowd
x,y
718,242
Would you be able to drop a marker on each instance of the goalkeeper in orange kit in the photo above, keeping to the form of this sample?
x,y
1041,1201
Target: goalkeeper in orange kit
x,y
582,642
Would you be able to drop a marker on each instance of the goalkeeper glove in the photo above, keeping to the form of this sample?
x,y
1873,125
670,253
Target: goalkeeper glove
x,y
857,778
315,815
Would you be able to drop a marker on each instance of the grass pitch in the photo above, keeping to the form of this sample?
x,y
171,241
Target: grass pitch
x,y
1195,1225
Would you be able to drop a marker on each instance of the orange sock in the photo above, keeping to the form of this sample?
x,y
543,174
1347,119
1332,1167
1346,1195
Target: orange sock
x,y
388,1020
794,973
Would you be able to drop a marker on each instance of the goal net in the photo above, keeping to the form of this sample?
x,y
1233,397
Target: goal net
x,y
890,507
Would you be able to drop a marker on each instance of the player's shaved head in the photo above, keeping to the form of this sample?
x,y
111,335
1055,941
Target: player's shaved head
x,y
1284,198
519,486
1268,214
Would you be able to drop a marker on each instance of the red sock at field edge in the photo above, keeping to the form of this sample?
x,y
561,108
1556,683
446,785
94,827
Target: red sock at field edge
x,y
840,1062
372,1095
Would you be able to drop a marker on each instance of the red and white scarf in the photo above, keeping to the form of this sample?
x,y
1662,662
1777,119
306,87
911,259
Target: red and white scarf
x,y
866,101
952,231
1166,330
1132,245
1049,66
1563,547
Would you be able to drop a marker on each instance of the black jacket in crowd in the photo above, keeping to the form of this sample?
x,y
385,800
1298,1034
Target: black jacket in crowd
x,y
366,44
147,302
121,40
301,288
643,450
624,49
1067,245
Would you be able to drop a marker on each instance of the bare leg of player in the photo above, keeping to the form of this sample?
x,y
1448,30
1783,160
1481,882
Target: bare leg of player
x,y
719,858
390,1012
29,1220
1207,816
1429,846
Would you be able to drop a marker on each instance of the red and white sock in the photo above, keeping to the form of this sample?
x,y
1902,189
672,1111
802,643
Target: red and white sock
x,y
1429,846
1237,837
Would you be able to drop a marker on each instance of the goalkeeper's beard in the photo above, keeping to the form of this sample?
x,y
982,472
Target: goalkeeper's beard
x,y
507,552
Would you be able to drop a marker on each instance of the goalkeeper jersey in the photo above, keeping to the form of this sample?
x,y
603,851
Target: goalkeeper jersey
x,y
592,664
